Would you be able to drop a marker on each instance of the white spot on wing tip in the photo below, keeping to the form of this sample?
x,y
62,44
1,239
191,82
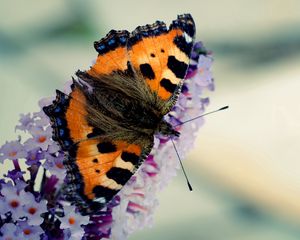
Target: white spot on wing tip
x,y
100,200
188,39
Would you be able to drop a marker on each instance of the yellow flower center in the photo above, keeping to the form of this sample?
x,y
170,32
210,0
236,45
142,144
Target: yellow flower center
x,y
14,203
32,210
27,231
12,154
72,220
59,165
42,139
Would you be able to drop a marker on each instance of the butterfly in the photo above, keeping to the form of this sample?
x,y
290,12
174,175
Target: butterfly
x,y
106,125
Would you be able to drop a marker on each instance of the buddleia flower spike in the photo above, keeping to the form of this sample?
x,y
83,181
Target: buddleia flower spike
x,y
46,194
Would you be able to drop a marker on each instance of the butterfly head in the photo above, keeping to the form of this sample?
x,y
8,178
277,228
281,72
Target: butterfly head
x,y
166,129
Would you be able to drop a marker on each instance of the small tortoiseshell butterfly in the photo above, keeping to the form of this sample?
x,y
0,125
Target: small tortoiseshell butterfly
x,y
106,125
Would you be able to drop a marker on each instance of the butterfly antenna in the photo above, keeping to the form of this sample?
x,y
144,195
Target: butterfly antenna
x,y
220,109
187,180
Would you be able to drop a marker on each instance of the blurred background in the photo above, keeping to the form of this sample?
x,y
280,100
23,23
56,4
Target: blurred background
x,y
245,167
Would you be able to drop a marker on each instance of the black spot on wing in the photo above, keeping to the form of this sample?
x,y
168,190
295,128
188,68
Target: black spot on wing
x,y
120,175
95,160
168,85
147,71
106,147
130,157
129,71
105,192
177,67
95,133
181,43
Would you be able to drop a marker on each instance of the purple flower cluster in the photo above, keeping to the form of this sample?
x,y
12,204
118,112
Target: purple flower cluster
x,y
138,197
31,203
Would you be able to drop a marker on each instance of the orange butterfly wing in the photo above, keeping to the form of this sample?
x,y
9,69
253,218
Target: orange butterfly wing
x,y
96,168
161,55
112,53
